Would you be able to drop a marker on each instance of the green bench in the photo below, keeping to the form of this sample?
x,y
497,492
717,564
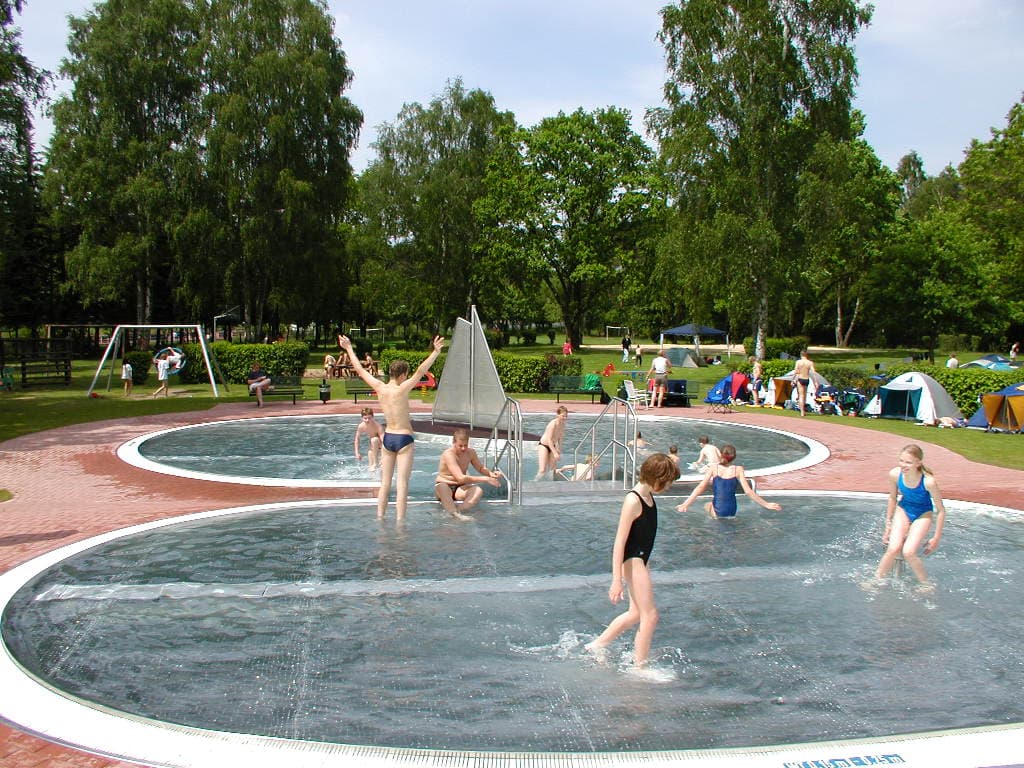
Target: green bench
x,y
283,386
357,387
588,384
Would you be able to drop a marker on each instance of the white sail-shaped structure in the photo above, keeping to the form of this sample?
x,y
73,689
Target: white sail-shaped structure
x,y
469,391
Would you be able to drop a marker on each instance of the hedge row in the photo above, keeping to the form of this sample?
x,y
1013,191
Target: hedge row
x,y
235,360
791,346
517,373
841,376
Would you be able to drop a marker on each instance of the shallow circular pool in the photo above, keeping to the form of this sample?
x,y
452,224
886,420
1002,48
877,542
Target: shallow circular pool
x,y
314,622
317,451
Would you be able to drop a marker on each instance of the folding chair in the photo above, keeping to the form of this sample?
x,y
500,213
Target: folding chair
x,y
635,396
719,401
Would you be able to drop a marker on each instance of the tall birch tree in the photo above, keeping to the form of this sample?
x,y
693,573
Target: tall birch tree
x,y
740,72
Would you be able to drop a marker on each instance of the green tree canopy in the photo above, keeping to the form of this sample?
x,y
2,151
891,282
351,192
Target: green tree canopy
x,y
567,201
25,269
845,203
932,277
202,155
740,73
420,193
118,135
992,176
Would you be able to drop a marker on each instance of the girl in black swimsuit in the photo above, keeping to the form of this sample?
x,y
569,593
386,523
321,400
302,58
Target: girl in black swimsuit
x,y
634,539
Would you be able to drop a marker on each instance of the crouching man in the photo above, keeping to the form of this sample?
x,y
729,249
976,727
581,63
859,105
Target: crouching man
x,y
453,486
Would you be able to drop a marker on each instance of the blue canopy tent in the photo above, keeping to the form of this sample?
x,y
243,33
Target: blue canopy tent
x,y
696,331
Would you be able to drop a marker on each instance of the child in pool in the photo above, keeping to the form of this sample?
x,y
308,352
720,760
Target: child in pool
x,y
374,432
549,448
914,497
673,454
398,442
709,455
724,478
634,539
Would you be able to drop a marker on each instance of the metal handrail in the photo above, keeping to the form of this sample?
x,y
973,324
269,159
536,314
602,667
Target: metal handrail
x,y
622,412
511,449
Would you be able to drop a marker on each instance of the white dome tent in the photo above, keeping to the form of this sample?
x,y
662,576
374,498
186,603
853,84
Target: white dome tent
x,y
913,396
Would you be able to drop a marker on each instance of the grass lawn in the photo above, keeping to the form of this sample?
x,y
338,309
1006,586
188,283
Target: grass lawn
x,y
44,407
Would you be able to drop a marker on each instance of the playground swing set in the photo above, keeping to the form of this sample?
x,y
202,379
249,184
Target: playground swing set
x,y
116,349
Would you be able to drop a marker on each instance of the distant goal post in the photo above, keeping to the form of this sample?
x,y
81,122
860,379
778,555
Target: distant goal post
x,y
611,331
357,333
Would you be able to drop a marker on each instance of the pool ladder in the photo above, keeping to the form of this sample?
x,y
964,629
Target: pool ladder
x,y
619,419
504,447
505,451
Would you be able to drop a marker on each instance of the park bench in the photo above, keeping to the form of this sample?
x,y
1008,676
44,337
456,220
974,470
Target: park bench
x,y
283,386
37,360
589,384
357,387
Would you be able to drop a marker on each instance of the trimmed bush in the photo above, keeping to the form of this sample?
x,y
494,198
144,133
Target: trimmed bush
x,y
839,376
792,346
517,374
286,358
141,362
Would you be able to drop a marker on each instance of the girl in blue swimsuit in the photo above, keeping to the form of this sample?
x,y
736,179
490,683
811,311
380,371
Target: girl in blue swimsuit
x,y
914,499
724,478
634,539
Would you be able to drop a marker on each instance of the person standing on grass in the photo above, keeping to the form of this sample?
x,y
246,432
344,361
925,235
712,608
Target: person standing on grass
x,y
804,374
126,376
756,378
398,440
660,369
163,372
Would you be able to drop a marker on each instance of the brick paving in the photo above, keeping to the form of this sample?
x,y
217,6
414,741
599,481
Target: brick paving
x,y
68,485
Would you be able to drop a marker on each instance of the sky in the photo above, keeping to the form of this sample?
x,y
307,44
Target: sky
x,y
934,74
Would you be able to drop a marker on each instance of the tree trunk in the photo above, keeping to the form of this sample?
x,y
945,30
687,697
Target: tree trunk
x,y
839,316
853,323
760,338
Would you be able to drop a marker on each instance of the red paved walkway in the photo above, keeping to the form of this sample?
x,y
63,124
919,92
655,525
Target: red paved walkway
x,y
68,484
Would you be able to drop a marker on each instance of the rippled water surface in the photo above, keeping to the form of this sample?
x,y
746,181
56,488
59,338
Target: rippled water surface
x,y
321,448
318,622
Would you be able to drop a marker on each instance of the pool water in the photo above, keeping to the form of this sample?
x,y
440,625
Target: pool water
x,y
319,450
315,621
